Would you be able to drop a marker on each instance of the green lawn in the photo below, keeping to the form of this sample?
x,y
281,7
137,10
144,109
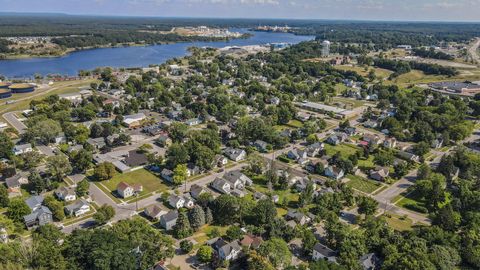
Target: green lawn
x,y
295,124
362,184
398,223
260,185
149,181
345,150
410,202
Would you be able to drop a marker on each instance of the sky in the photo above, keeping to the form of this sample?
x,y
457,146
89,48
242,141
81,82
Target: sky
x,y
404,10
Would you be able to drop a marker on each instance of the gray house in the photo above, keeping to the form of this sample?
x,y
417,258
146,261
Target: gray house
x,y
169,220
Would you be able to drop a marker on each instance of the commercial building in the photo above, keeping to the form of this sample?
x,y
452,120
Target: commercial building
x,y
460,88
322,108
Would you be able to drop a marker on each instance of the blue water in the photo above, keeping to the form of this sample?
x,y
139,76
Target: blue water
x,y
139,56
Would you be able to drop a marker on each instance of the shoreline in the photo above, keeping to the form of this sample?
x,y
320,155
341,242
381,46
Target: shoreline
x,y
123,45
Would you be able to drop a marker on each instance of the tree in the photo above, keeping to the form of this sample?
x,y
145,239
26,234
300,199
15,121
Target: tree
x,y
4,200
17,209
104,171
82,188
6,145
182,228
56,207
196,217
104,214
257,262
205,254
208,216
81,160
312,138
186,246
277,252
447,218
178,131
234,233
265,212
45,130
421,148
308,241
58,166
307,195
367,206
37,182
225,209
180,174
177,154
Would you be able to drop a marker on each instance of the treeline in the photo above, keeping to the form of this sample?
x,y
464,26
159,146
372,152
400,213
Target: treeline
x,y
402,67
431,53
122,37
4,46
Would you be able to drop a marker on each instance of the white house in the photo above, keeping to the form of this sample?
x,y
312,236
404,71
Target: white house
x,y
176,202
66,194
334,172
78,208
235,154
133,120
221,185
22,149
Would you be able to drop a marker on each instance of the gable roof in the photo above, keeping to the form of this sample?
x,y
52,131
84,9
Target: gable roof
x,y
324,250
122,186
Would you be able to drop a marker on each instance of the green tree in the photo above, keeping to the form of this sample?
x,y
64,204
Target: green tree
x,y
4,200
56,207
265,212
104,214
182,228
6,145
196,217
234,233
81,160
277,252
205,254
367,206
82,188
180,174
177,154
186,246
17,209
58,166
104,171
257,262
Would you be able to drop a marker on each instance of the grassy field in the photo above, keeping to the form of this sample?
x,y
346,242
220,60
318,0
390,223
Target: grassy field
x,y
22,101
149,181
398,223
379,72
350,102
362,184
260,185
295,124
410,202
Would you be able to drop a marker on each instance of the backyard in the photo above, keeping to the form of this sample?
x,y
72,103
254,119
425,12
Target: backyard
x,y
362,184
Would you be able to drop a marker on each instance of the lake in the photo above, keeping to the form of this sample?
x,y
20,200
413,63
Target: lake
x,y
136,56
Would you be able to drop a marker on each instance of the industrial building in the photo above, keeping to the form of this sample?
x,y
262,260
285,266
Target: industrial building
x,y
22,88
5,93
460,88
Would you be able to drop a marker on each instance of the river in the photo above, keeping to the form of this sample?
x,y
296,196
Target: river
x,y
135,56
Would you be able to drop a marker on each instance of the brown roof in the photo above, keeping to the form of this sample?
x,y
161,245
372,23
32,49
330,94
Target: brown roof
x,y
251,241
122,186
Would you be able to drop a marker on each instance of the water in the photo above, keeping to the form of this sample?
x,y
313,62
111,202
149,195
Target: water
x,y
138,56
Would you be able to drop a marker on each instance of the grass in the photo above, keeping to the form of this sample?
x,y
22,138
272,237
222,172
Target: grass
x,y
410,201
345,150
362,184
352,103
202,235
398,223
379,72
260,185
295,124
149,181
23,100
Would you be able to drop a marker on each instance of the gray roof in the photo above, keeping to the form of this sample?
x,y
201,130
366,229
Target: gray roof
x,y
13,181
170,216
75,206
34,201
35,214
227,248
324,250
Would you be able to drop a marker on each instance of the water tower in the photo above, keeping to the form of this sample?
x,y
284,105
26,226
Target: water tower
x,y
325,48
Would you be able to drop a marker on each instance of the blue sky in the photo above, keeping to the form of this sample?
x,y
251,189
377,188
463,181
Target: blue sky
x,y
449,10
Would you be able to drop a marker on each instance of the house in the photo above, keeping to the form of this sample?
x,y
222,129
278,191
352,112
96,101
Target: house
x,y
189,202
296,154
193,122
261,146
66,194
229,251
408,156
390,142
60,138
437,143
154,211
125,190
34,202
274,100
350,131
370,124
238,176
251,241
235,154
22,149
176,202
135,159
134,120
39,217
334,172
193,169
221,185
78,208
379,173
337,138
97,143
298,217
164,141
321,252
302,183
15,182
259,196
220,160
168,220
370,261
314,149
302,116
196,191
372,139
167,175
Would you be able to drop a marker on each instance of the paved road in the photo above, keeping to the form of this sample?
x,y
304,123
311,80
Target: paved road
x,y
12,119
473,51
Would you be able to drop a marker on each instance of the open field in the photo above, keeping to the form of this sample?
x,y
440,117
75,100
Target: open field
x,y
398,223
410,202
149,181
22,101
379,72
362,184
